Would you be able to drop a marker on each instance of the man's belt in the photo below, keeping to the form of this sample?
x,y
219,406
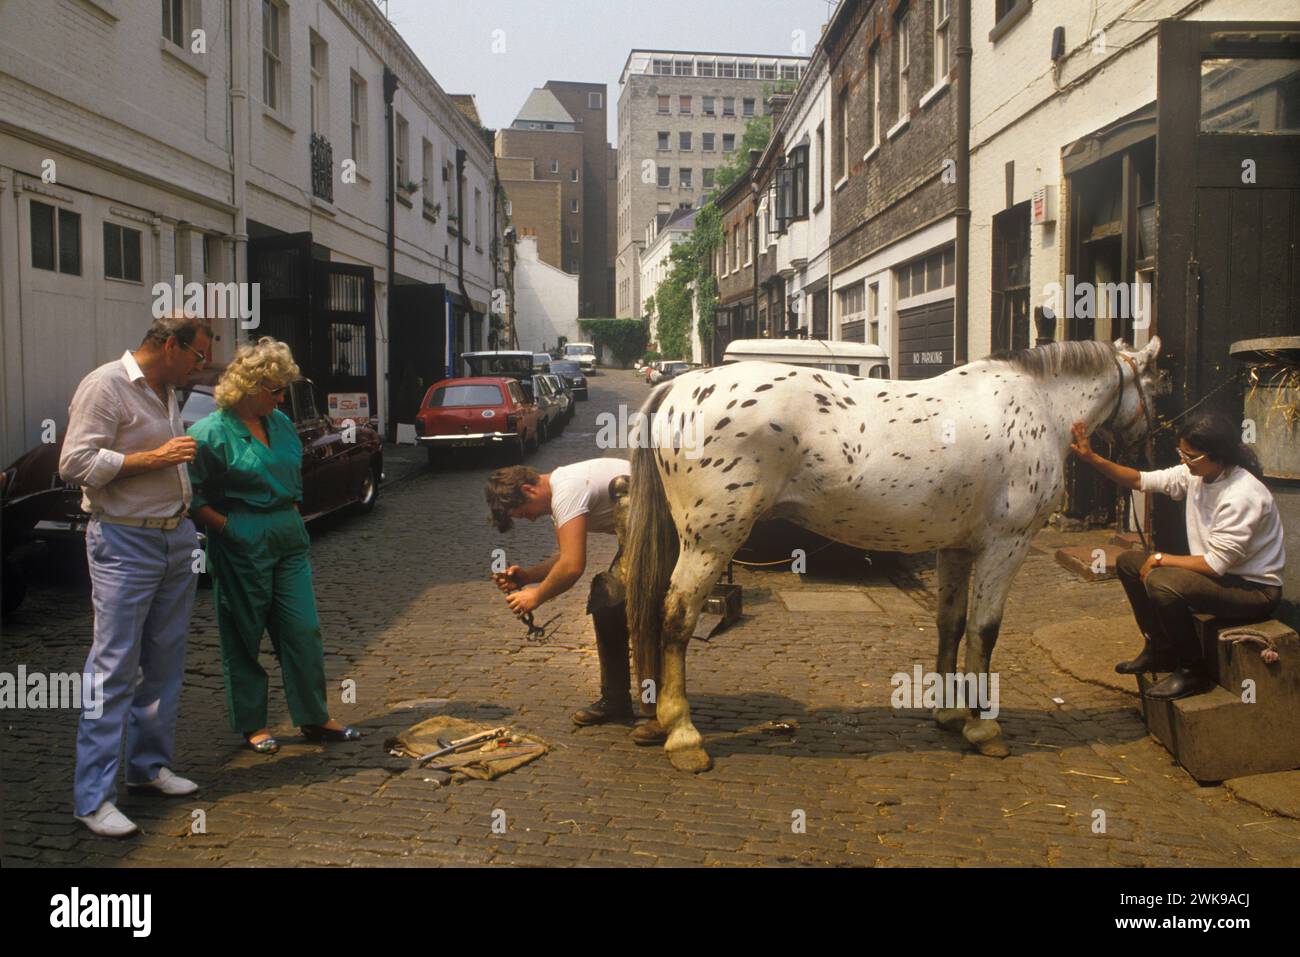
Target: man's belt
x,y
167,524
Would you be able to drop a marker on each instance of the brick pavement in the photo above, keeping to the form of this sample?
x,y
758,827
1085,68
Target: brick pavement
x,y
409,616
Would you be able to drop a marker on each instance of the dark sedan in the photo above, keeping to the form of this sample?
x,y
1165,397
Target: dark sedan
x,y
572,374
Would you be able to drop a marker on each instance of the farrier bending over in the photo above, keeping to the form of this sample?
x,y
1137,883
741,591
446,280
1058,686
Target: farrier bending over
x,y
1235,537
578,498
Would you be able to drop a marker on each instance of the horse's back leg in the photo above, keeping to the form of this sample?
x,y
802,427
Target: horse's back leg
x,y
994,570
954,567
692,579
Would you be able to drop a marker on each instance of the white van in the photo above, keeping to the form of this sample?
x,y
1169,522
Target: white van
x,y
850,358
583,353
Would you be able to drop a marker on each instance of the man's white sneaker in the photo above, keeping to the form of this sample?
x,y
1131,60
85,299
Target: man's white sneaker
x,y
108,821
173,785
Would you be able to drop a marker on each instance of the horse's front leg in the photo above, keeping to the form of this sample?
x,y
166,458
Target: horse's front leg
x,y
995,568
693,578
954,567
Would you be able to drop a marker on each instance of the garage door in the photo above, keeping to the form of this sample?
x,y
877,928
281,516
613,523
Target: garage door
x,y
925,339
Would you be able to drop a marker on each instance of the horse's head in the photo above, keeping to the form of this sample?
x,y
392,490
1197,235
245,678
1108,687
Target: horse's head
x,y
1134,412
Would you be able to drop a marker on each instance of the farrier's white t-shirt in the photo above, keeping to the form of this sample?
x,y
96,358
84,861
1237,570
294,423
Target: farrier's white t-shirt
x,y
1232,521
583,489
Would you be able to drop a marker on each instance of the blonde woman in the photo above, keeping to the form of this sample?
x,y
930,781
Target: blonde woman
x,y
247,479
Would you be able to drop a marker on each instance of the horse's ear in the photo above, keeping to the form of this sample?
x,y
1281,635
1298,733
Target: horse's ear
x,y
1149,352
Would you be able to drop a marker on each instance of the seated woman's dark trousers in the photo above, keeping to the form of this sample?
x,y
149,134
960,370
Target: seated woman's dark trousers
x,y
1163,605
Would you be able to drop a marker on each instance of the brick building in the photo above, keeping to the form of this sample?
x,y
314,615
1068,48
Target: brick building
x,y
894,165
680,116
560,131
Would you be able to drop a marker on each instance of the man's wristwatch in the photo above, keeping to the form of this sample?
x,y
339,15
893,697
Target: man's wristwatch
x,y
1158,558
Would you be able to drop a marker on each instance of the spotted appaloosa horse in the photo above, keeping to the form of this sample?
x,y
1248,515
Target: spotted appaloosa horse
x,y
970,463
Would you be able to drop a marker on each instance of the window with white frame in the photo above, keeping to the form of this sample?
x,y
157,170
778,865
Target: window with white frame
x,y
663,67
727,70
767,71
573,205
510,208
873,314
318,60
790,72
664,142
684,104
746,71
749,240
55,239
665,177
478,217
852,302
684,140
703,68
942,38
555,166
665,103
708,178
686,177
683,68
274,37
707,142
573,234
357,110
595,101
875,95
728,142
820,161
173,22
842,165
707,105
903,57
573,175
747,106
728,106
426,171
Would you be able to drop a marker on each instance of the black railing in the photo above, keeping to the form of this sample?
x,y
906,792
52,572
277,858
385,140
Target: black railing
x,y
322,168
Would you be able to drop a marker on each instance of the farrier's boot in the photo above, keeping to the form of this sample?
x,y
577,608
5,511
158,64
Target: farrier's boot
x,y
1149,661
614,704
649,732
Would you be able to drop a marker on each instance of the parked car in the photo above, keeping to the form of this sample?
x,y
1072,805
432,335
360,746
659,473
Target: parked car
x,y
339,470
583,353
668,370
478,412
511,363
551,407
564,395
541,362
571,373
830,355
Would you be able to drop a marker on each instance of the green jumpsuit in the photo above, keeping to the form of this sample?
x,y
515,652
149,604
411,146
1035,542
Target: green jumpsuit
x,y
260,575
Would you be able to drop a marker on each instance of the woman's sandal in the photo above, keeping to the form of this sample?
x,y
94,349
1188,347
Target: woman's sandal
x,y
318,732
267,745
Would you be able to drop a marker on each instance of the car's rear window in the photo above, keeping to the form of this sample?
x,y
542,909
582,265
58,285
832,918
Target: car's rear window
x,y
464,395
561,366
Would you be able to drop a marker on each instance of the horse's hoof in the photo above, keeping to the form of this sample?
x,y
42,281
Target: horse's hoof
x,y
694,760
951,719
986,735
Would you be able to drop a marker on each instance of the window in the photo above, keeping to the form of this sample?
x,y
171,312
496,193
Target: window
x,y
573,235
841,169
663,67
748,106
820,160
932,273
665,103
573,175
767,71
873,314
707,144
683,68
792,186
902,56
663,140
852,302
728,106
665,177
706,69
426,171
728,142
707,105
727,70
942,38
708,178
684,140
478,218
573,205
173,21
56,240
318,57
121,253
403,149
746,71
875,96
510,209
555,166
595,101
749,240
271,54
684,104
685,181
790,72
358,118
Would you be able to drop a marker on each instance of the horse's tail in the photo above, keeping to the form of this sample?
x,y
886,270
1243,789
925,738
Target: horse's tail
x,y
650,552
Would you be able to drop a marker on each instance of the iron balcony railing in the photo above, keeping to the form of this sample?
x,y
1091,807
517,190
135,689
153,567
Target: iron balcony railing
x,y
322,168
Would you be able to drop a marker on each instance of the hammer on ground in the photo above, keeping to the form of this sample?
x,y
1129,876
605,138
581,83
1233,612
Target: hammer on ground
x,y
452,746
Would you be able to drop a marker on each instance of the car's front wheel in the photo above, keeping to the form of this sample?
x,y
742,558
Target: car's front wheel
x,y
370,490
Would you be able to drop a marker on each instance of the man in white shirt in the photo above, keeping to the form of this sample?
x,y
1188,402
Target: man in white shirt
x,y
1234,535
126,447
580,498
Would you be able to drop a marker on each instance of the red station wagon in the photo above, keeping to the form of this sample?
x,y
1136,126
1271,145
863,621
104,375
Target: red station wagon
x,y
477,412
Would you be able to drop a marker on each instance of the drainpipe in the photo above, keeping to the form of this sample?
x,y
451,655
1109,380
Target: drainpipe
x,y
961,257
390,90
460,231
236,31
753,195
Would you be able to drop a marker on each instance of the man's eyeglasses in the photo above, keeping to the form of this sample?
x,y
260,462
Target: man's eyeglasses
x,y
202,358
1189,459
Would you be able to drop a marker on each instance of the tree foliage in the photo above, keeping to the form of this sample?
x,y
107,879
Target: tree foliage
x,y
626,338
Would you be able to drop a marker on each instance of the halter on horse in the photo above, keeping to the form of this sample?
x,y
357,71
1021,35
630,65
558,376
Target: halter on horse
x,y
970,463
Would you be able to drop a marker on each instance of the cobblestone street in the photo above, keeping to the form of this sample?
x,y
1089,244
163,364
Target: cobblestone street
x,y
410,615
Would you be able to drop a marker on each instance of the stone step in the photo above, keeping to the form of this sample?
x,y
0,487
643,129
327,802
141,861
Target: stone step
x,y
1126,540
1232,662
1084,560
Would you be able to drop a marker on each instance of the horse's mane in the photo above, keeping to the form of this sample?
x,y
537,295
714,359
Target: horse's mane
x,y
1087,357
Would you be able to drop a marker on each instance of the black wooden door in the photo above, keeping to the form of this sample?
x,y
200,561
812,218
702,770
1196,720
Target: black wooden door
x,y
1228,195
417,345
281,267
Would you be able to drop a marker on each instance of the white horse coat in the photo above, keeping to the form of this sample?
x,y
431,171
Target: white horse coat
x,y
970,463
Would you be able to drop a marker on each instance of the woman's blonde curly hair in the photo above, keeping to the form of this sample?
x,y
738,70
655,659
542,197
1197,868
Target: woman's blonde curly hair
x,y
267,362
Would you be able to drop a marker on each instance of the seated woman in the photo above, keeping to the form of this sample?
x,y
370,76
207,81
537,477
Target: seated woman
x,y
1234,534
247,479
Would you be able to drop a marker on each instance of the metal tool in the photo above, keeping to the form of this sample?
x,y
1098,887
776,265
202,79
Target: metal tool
x,y
452,746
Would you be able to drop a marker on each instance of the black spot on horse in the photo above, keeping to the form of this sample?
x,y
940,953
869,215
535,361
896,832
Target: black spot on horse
x,y
722,423
775,427
748,402
764,387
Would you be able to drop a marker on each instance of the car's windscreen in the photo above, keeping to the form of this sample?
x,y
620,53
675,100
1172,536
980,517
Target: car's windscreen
x,y
197,406
464,395
567,368
579,351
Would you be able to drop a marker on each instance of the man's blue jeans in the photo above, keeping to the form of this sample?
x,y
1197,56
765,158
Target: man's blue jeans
x,y
142,587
